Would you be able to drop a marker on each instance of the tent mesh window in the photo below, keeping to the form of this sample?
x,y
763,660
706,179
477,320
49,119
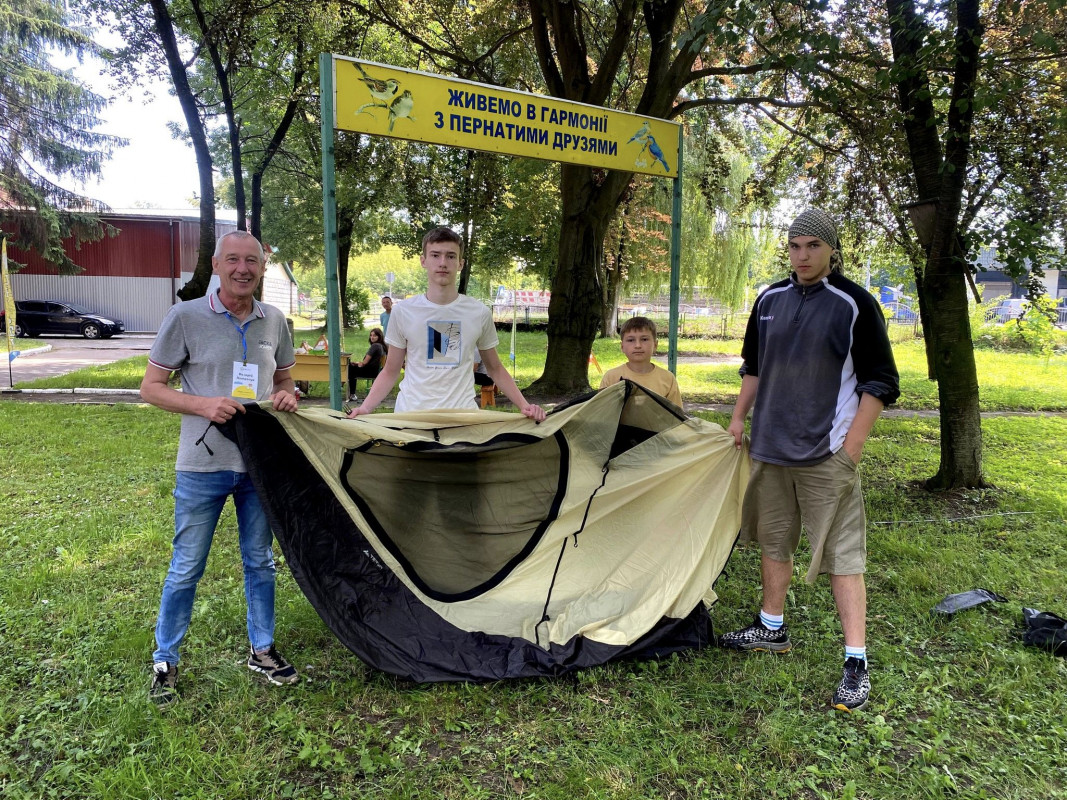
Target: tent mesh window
x,y
459,518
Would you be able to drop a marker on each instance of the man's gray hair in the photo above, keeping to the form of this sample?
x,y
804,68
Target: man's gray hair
x,y
243,235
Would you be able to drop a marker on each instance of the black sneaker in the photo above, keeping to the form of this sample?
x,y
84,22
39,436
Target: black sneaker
x,y
164,682
759,638
855,687
271,664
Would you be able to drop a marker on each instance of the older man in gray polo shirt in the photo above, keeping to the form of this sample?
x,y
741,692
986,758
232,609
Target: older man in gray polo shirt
x,y
230,350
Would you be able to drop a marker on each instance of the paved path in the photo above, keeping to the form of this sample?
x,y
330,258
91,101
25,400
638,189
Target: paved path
x,y
61,355
68,354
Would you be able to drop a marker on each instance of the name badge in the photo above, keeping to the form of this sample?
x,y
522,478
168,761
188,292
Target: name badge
x,y
245,380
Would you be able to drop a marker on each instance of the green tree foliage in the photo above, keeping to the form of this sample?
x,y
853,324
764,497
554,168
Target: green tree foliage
x,y
498,204
46,131
370,270
241,72
725,231
254,78
517,243
954,102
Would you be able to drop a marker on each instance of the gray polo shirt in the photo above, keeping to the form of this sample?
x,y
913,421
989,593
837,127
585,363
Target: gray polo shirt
x,y
202,340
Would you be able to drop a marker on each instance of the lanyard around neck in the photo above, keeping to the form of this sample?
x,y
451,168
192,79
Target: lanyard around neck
x,y
241,330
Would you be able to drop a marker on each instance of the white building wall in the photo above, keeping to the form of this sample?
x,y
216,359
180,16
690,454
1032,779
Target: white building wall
x,y
278,290
140,303
1052,283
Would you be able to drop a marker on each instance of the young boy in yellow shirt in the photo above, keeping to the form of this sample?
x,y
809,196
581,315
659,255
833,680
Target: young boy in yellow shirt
x,y
639,345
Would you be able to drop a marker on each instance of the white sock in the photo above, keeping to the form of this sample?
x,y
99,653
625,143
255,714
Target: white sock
x,y
771,622
856,652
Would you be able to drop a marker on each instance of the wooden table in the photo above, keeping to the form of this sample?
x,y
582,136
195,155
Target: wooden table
x,y
316,367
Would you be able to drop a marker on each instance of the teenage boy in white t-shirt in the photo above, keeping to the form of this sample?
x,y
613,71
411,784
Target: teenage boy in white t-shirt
x,y
437,333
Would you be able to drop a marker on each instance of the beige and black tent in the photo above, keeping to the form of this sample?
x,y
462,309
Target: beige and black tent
x,y
481,546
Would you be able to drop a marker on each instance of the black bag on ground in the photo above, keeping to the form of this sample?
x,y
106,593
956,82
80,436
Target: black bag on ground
x,y
1045,630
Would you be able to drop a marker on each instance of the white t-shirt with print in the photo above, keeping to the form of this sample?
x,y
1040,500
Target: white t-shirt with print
x,y
442,343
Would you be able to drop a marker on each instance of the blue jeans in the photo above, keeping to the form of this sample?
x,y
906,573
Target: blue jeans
x,y
198,501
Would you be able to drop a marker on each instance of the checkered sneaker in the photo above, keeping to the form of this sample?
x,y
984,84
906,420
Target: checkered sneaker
x,y
757,637
855,687
272,666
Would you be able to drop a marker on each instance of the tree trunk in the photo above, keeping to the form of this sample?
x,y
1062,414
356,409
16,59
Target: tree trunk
x,y
255,226
468,222
346,223
940,178
609,307
957,384
574,310
233,126
164,24
612,271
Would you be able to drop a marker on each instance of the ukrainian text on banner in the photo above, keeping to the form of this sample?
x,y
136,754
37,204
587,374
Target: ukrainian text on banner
x,y
387,101
9,302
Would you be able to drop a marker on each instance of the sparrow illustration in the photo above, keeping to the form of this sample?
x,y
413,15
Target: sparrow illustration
x,y
401,108
382,92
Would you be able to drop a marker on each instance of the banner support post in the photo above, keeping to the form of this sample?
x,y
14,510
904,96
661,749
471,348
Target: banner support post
x,y
329,224
676,260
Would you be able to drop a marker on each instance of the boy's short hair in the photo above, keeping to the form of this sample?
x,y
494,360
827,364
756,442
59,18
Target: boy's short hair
x,y
441,234
638,324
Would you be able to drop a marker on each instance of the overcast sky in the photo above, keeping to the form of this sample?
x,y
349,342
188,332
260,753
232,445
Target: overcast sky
x,y
154,169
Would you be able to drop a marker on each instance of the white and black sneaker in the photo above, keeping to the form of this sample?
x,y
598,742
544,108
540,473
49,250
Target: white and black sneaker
x,y
164,684
271,665
757,637
855,687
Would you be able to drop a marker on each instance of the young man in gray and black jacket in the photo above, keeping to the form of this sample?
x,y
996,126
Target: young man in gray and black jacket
x,y
817,371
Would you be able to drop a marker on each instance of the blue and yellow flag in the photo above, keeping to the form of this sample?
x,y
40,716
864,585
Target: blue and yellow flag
x,y
9,303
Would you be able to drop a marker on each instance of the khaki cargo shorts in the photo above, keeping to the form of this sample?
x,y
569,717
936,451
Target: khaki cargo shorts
x,y
825,499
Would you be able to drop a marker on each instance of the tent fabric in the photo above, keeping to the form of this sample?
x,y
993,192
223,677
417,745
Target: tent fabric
x,y
479,545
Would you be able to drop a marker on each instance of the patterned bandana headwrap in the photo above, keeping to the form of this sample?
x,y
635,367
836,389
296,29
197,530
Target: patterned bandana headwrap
x,y
817,223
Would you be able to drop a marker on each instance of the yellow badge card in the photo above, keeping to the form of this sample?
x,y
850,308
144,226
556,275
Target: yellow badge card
x,y
245,380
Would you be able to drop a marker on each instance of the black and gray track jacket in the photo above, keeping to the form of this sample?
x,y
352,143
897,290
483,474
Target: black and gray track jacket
x,y
815,349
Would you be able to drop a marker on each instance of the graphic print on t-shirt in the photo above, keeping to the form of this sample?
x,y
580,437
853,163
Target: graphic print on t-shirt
x,y
444,343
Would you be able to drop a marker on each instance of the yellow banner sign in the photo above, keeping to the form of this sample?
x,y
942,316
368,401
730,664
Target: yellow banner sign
x,y
387,101
9,302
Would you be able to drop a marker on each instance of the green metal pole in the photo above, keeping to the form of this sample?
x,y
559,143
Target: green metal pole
x,y
329,224
676,261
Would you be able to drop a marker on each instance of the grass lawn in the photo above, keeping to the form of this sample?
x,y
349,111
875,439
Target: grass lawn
x,y
960,708
707,372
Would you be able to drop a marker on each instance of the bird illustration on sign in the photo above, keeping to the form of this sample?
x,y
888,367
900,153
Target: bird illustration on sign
x,y
385,93
382,92
642,132
401,108
648,142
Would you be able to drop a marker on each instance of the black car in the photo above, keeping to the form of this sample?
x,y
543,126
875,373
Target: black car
x,y
47,316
